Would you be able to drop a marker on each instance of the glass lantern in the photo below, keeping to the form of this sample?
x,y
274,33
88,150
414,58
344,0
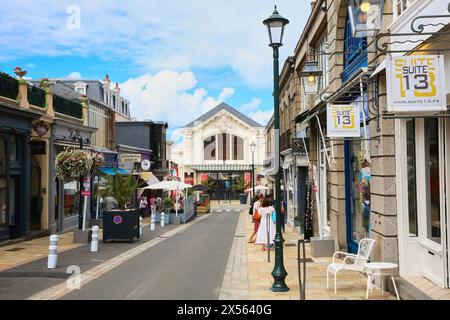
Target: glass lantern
x,y
365,17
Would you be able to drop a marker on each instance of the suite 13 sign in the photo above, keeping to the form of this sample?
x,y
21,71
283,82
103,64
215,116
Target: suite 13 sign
x,y
416,84
343,120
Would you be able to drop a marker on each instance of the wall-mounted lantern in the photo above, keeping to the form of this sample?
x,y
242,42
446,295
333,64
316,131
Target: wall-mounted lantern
x,y
311,77
365,17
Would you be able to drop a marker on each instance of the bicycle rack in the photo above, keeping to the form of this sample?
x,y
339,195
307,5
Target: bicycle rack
x,y
302,283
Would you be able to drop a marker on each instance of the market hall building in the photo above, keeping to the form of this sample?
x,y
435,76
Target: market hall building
x,y
216,147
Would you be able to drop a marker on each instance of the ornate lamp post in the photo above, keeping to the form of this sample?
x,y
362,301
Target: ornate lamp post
x,y
275,25
76,136
252,149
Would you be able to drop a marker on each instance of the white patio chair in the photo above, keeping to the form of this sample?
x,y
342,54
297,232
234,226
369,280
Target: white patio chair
x,y
351,261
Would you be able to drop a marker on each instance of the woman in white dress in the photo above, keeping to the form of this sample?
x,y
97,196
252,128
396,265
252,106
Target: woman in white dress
x,y
267,226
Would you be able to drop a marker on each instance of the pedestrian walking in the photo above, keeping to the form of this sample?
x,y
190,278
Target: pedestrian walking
x,y
256,217
143,205
110,203
267,224
152,205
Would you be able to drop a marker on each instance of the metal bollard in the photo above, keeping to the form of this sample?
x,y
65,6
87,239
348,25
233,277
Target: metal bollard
x,y
94,242
140,226
162,219
152,223
53,252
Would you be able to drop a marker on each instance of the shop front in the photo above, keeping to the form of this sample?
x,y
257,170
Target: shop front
x,y
15,132
66,193
422,138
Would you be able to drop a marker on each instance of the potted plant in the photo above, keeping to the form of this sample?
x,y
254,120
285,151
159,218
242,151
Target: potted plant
x,y
168,204
239,186
121,223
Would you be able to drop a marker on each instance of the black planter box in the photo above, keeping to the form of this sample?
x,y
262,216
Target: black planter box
x,y
121,225
243,198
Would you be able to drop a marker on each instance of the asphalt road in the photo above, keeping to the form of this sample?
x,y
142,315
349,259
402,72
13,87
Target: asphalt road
x,y
188,265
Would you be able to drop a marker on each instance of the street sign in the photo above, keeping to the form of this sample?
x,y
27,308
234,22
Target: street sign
x,y
298,147
145,165
416,83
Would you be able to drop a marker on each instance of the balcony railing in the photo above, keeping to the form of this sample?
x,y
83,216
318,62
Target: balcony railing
x,y
9,87
67,107
36,96
285,141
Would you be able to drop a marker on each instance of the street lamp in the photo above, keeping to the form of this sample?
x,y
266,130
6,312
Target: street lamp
x,y
76,136
252,149
275,25
365,17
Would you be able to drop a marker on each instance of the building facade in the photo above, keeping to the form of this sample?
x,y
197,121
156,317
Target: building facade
x,y
216,147
152,136
388,181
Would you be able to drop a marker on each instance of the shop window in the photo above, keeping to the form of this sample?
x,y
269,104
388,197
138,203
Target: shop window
x,y
71,195
14,150
411,172
432,171
3,211
360,191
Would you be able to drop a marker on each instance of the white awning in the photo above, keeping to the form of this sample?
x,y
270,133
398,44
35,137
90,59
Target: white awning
x,y
380,68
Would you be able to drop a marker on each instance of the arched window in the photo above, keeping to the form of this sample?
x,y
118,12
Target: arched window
x,y
355,53
223,146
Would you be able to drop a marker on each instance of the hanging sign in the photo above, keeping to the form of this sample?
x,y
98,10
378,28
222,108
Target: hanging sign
x,y
416,83
129,157
343,121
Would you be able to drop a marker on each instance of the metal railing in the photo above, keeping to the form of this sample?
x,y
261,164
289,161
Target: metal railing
x,y
36,96
9,87
301,259
67,107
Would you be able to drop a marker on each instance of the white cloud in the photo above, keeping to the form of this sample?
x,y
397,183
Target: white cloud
x,y
170,96
74,75
154,35
250,106
262,117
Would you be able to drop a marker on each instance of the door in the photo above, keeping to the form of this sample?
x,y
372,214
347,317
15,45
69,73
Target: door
x,y
433,202
423,182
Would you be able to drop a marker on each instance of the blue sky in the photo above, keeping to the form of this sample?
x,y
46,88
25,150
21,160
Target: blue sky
x,y
173,59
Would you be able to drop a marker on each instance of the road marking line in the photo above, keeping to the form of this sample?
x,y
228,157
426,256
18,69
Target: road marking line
x,y
61,289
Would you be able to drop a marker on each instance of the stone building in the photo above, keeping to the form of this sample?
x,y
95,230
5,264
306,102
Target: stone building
x,y
216,146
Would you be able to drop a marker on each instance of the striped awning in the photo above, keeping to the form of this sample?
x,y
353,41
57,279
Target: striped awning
x,y
220,167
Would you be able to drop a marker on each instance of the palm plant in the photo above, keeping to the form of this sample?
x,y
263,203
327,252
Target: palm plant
x,y
208,183
121,188
240,185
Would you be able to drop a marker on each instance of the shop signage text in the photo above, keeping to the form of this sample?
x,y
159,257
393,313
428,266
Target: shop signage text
x,y
129,157
343,121
416,84
298,147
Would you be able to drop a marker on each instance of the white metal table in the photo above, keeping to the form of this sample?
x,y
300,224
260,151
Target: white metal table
x,y
381,269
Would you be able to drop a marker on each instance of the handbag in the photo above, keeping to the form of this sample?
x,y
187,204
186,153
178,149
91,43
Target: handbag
x,y
256,216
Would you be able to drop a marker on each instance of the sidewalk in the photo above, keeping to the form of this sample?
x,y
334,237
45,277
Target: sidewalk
x,y
24,252
249,258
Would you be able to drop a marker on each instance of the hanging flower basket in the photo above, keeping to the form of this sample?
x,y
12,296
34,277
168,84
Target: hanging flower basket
x,y
98,160
73,164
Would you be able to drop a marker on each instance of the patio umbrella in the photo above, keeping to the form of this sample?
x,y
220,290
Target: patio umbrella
x,y
201,187
258,188
170,185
